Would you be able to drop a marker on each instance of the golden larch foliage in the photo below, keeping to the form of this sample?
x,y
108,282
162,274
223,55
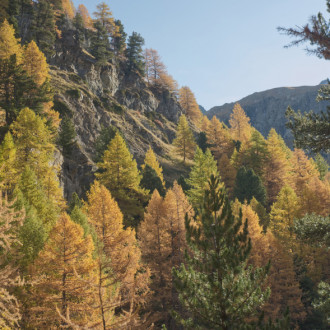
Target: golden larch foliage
x,y
65,275
277,166
104,16
162,236
303,170
285,290
156,249
68,8
35,148
219,139
240,127
184,141
120,169
176,206
228,173
121,281
9,45
154,67
189,105
315,197
10,222
35,64
151,160
286,208
205,124
168,82
88,22
53,117
8,173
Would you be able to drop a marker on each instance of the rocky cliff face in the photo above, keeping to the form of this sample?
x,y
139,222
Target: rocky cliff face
x,y
97,96
267,109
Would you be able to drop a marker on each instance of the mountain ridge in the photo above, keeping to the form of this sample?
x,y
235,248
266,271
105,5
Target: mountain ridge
x,y
266,109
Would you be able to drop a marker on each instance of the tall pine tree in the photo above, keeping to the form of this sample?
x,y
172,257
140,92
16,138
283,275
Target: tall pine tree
x,y
216,286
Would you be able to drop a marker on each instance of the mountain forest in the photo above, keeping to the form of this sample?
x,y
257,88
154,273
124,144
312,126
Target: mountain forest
x,y
124,206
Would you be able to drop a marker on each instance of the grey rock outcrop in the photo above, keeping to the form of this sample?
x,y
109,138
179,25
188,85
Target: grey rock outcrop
x,y
96,96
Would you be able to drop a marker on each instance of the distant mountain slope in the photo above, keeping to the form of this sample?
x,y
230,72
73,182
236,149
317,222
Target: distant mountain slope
x,y
267,109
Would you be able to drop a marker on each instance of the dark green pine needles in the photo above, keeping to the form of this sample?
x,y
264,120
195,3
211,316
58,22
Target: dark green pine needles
x,y
216,286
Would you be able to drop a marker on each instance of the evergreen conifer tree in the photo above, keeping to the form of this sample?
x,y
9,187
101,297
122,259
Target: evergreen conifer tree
x,y
43,27
216,286
151,181
134,53
67,136
249,185
100,47
119,40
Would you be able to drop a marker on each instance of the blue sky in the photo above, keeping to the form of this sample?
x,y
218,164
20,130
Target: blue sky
x,y
224,50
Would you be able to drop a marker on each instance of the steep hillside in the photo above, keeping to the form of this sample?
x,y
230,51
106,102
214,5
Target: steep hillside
x,y
267,109
97,96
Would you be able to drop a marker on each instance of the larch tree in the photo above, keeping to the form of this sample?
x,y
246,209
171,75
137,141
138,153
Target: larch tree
x,y
151,160
315,196
8,172
34,195
215,285
256,154
313,192
35,63
156,249
205,124
277,166
9,45
83,11
104,17
120,169
68,8
228,173
122,177
219,139
303,170
122,282
260,244
285,289
154,67
17,88
10,222
285,209
184,141
189,105
65,273
240,127
162,235
204,166
35,148
176,206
